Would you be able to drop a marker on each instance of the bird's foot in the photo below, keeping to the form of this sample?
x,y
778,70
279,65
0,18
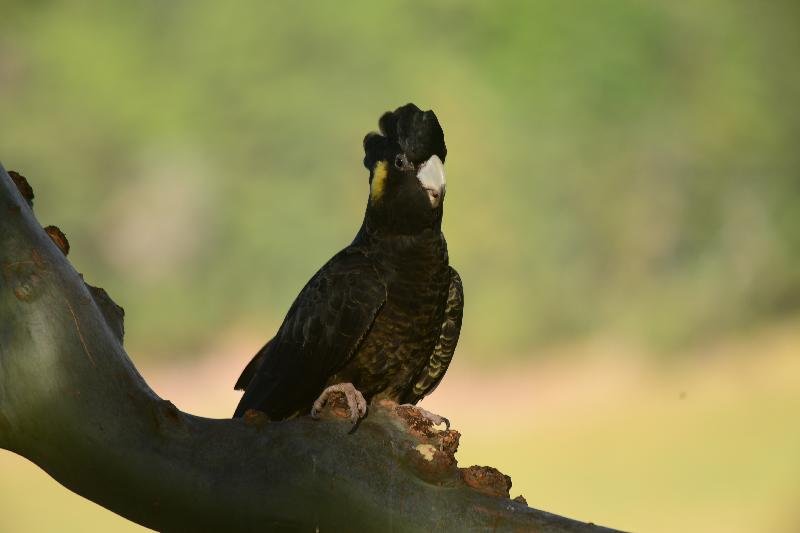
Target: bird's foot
x,y
432,417
355,401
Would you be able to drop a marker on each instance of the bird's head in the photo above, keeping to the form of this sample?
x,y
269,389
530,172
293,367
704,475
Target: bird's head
x,y
406,164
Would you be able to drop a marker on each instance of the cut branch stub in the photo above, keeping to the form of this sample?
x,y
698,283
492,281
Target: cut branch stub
x,y
113,313
23,186
59,238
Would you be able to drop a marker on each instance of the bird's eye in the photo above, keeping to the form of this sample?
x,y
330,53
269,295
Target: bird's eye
x,y
400,161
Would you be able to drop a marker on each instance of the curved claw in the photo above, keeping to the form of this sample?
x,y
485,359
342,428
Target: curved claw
x,y
432,417
355,401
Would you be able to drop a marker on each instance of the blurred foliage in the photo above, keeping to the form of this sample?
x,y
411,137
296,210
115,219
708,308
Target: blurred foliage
x,y
615,165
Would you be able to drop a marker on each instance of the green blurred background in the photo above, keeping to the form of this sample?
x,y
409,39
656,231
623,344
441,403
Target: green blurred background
x,y
623,206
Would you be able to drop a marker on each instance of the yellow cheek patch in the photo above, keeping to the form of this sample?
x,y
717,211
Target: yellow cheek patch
x,y
378,180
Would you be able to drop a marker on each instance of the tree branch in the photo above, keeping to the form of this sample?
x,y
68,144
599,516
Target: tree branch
x,y
72,402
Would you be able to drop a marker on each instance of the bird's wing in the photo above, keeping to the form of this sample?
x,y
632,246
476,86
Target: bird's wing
x,y
442,354
321,331
250,370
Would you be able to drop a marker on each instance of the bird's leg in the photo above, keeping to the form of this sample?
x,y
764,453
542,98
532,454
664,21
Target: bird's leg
x,y
355,400
433,417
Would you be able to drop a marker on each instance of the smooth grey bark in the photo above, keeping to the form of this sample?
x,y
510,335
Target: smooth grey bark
x,y
72,402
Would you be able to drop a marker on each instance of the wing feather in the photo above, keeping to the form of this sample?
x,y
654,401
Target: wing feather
x,y
442,354
321,332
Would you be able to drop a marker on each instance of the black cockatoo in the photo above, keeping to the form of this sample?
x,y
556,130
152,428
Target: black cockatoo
x,y
381,319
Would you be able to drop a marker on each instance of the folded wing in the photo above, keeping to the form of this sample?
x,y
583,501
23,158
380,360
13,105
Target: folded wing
x,y
321,332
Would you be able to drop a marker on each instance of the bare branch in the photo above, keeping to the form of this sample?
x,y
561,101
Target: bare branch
x,y
72,402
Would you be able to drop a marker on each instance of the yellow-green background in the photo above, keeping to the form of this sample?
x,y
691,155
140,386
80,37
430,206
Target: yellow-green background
x,y
623,205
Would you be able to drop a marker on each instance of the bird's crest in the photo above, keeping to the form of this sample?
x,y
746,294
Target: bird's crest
x,y
407,129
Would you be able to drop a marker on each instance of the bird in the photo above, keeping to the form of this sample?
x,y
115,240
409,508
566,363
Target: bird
x,y
381,319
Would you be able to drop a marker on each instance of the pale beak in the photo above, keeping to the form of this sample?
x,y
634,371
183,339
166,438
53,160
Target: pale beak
x,y
431,176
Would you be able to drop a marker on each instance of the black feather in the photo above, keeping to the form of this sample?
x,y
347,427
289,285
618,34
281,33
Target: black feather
x,y
408,129
384,313
320,333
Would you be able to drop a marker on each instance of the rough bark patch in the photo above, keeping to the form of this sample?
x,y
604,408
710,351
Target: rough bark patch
x,y
487,480
255,418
